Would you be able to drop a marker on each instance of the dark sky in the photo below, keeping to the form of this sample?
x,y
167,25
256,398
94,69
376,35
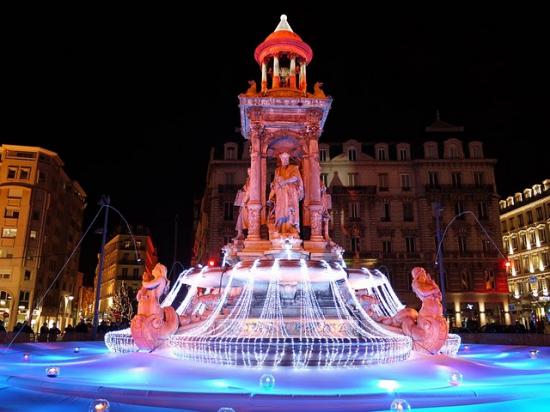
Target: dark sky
x,y
132,99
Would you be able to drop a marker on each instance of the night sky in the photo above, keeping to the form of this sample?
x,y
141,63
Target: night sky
x,y
131,99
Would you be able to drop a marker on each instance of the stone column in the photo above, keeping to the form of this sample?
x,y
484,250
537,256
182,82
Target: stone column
x,y
255,200
303,84
315,205
293,72
264,77
458,315
263,185
482,315
276,73
507,316
306,178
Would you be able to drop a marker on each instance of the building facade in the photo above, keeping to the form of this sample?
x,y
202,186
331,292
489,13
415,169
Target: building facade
x,y
525,223
125,262
41,223
383,198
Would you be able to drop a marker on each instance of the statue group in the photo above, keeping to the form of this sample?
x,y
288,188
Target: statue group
x,y
287,190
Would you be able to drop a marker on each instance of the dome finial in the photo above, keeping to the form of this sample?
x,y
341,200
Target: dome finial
x,y
283,24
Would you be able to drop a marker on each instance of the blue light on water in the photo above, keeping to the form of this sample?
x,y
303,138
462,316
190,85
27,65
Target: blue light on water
x,y
495,377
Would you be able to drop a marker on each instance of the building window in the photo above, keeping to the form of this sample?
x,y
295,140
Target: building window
x,y
352,179
403,153
386,247
529,217
539,213
453,152
511,223
526,263
230,153
355,244
27,275
482,210
11,213
542,235
459,208
24,296
456,180
433,178
41,177
405,182
35,215
135,272
9,232
489,279
514,244
5,275
408,214
324,179
517,266
124,271
431,152
478,179
521,222
532,238
488,246
383,185
381,153
354,210
466,279
462,244
5,254
386,215
230,178
24,173
546,259
33,234
228,211
323,155
12,172
352,154
522,241
410,244
503,226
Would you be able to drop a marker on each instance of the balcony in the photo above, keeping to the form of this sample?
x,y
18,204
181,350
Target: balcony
x,y
346,190
461,188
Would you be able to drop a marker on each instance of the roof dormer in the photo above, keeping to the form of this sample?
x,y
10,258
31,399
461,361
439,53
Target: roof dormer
x,y
453,149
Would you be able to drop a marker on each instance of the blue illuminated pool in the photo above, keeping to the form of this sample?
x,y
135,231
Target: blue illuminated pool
x,y
495,378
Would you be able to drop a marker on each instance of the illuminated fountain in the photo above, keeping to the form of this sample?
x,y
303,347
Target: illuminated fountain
x,y
279,300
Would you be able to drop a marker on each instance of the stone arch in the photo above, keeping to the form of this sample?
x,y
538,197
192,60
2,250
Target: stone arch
x,y
285,140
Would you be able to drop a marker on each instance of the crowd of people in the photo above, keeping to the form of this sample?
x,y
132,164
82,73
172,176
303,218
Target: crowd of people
x,y
81,331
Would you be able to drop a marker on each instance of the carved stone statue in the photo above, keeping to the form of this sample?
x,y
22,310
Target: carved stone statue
x,y
318,91
326,201
153,324
287,191
241,200
251,91
427,327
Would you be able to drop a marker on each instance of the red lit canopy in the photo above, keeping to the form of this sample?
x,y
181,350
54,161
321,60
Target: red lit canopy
x,y
283,40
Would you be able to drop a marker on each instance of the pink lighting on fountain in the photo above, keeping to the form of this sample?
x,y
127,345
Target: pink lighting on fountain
x,y
278,299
